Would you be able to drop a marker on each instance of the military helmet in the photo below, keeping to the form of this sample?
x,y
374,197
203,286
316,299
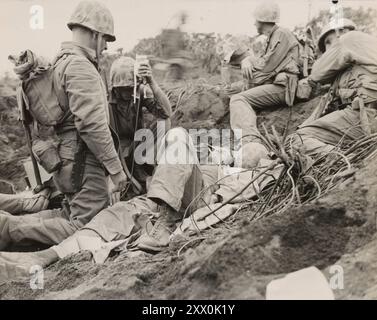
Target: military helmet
x,y
122,72
340,24
267,12
94,16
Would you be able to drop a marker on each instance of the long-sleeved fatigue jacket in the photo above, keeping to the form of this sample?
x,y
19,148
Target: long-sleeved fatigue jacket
x,y
352,62
278,65
88,107
123,117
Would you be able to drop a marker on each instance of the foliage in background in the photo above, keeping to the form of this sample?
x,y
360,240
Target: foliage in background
x,y
364,18
202,46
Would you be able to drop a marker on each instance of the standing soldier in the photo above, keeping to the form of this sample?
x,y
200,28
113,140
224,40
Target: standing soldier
x,y
272,80
85,147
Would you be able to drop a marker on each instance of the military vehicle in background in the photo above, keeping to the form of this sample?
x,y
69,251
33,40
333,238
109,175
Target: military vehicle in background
x,y
175,59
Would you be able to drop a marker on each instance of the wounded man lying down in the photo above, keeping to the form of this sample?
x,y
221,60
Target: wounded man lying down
x,y
145,222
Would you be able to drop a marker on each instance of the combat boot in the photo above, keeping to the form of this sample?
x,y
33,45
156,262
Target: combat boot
x,y
158,238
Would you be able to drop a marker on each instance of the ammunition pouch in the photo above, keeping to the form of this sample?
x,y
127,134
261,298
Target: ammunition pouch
x,y
69,177
47,155
304,90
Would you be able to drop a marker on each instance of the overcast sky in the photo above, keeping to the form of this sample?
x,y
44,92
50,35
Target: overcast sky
x,y
137,19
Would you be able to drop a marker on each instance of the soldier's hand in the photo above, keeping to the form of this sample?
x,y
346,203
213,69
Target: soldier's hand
x,y
145,71
119,180
247,68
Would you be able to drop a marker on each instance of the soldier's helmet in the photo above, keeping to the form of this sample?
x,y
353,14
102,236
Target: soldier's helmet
x,y
340,24
122,72
95,16
268,11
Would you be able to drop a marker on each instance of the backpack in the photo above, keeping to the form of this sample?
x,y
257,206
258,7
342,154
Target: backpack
x,y
41,104
39,88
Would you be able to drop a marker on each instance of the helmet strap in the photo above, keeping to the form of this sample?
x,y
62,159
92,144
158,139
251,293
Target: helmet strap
x,y
99,43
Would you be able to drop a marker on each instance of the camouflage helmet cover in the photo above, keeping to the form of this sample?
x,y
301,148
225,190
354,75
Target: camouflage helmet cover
x,y
122,72
268,11
331,26
95,16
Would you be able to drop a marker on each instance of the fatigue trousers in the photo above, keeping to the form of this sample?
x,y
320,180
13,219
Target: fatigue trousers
x,y
52,226
12,203
243,107
177,180
343,126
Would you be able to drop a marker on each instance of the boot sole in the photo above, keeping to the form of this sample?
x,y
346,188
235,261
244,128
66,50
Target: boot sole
x,y
150,249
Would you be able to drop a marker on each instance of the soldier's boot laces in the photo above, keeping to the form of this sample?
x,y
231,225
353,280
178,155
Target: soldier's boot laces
x,y
158,238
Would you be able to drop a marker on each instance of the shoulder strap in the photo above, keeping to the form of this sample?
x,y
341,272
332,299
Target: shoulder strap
x,y
62,58
269,39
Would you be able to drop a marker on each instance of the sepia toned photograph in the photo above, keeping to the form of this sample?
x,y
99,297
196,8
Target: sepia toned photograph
x,y
188,155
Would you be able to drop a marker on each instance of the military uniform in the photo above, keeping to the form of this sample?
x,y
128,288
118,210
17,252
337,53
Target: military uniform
x,y
87,119
24,203
274,83
124,115
176,184
177,181
85,143
127,113
351,66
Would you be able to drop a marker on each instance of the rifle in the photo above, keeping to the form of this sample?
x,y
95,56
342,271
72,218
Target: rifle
x,y
308,40
115,133
25,118
322,107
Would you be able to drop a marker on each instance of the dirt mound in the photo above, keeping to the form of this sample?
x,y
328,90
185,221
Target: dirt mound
x,y
237,259
197,107
200,109
12,143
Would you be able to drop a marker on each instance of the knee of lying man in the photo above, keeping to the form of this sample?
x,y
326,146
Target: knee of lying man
x,y
236,98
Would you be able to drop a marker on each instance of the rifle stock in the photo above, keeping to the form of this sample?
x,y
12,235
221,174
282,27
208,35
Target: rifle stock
x,y
25,123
